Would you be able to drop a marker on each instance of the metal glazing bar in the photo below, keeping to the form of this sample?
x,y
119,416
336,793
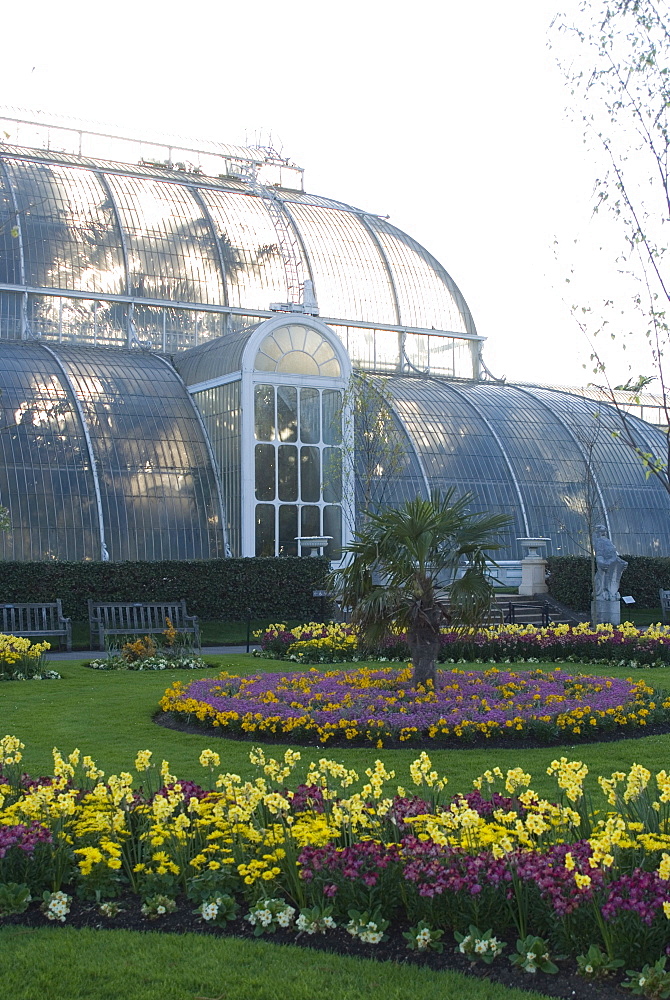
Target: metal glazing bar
x,y
496,437
104,555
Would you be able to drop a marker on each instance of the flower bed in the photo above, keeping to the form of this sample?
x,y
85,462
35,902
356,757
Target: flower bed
x,y
621,645
474,871
330,642
22,660
380,707
157,662
171,650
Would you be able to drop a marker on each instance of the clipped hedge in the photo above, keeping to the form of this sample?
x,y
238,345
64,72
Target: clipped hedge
x,y
570,580
213,589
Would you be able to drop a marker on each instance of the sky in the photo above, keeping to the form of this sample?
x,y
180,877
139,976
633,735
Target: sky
x,y
450,118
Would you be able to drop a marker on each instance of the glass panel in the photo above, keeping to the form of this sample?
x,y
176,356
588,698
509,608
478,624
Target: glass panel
x,y
332,525
310,521
349,271
310,422
70,234
264,412
332,416
288,530
220,410
265,472
332,475
171,248
10,311
310,480
299,363
288,472
255,273
265,530
287,413
157,483
299,350
45,473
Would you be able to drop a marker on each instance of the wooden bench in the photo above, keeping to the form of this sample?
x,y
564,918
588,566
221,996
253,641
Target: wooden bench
x,y
118,618
664,596
36,621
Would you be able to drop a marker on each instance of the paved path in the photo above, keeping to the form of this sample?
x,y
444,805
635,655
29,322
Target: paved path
x,y
92,654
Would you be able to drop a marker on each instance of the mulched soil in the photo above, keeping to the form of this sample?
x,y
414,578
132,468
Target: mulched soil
x,y
174,720
565,984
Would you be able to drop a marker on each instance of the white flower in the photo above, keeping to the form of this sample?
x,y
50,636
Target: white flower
x,y
464,944
209,911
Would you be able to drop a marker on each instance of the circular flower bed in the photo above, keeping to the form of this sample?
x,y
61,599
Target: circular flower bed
x,y
380,707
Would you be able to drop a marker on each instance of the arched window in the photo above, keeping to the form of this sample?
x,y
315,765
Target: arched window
x,y
297,350
298,488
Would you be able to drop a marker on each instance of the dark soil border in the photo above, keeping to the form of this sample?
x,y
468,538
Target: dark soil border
x,y
566,984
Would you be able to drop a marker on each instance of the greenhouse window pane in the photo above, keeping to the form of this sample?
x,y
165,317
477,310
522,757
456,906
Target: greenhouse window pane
x,y
332,416
310,416
265,472
265,530
287,413
264,412
288,530
310,479
332,525
288,472
310,521
332,475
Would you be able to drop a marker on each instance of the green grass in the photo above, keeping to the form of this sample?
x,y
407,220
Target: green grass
x,y
64,964
109,716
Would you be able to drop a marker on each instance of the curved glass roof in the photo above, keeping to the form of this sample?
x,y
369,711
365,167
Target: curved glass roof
x,y
103,450
538,453
165,236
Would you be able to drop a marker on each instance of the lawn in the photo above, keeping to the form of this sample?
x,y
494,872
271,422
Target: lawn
x,y
64,964
109,715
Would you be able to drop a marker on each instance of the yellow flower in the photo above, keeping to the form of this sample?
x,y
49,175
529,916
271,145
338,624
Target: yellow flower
x,y
143,760
209,758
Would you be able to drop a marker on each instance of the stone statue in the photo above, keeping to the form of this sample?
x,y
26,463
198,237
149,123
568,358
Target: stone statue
x,y
609,566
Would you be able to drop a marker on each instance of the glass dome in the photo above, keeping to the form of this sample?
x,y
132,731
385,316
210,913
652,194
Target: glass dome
x,y
117,254
103,456
543,455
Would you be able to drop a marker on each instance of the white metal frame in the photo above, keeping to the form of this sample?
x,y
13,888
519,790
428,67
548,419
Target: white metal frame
x,y
250,378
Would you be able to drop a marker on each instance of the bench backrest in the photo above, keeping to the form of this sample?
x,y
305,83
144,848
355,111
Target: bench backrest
x,y
132,618
32,618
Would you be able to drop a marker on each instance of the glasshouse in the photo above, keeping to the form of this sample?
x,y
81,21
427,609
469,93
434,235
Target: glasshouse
x,y
199,359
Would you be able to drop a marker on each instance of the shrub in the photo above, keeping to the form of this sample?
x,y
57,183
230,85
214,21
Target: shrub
x,y
213,589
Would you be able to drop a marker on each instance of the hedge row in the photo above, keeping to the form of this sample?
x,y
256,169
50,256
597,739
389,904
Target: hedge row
x,y
221,589
570,580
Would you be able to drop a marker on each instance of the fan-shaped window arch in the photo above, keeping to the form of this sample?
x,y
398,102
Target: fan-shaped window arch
x,y
297,350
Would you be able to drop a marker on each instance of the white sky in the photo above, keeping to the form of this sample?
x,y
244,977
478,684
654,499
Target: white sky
x,y
448,117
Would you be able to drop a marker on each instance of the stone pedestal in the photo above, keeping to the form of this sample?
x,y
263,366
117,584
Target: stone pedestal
x,y
533,567
533,576
605,612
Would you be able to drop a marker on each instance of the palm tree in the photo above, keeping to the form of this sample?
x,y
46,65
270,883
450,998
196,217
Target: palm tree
x,y
414,551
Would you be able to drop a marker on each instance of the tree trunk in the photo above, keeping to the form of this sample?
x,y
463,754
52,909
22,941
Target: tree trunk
x,y
424,645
